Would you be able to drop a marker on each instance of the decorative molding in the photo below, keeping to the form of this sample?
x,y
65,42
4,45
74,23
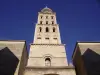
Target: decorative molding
x,y
47,55
49,44
42,57
50,67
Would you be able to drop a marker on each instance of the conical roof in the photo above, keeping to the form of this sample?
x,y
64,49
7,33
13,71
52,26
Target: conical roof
x,y
46,10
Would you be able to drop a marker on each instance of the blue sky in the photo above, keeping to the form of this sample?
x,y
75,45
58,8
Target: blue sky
x,y
79,20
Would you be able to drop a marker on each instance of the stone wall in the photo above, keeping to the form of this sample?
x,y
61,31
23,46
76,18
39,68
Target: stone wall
x,y
19,50
87,57
51,71
38,53
79,63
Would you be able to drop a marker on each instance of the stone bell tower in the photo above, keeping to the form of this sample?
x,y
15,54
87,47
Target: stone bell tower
x,y
47,53
47,29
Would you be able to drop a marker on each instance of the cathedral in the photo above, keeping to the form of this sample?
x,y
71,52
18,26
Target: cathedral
x,y
47,54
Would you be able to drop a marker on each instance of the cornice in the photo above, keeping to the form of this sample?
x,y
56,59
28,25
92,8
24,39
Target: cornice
x,y
50,67
49,44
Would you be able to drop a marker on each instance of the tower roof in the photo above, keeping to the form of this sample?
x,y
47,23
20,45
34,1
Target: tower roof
x,y
46,10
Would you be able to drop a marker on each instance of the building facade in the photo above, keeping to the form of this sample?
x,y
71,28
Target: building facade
x,y
13,57
47,54
86,58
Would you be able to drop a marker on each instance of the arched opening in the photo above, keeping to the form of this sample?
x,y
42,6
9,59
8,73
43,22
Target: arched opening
x,y
46,17
47,62
51,17
46,22
41,17
47,29
40,29
52,22
40,22
53,29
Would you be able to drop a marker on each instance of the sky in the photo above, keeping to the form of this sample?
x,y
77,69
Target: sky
x,y
79,20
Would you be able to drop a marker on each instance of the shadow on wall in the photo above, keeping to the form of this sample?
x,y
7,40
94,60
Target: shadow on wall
x,y
91,62
8,62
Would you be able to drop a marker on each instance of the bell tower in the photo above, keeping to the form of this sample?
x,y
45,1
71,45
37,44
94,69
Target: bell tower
x,y
47,29
47,49
47,54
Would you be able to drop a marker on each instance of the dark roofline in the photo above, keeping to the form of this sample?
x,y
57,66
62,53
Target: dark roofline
x,y
17,41
88,41
74,50
14,40
82,42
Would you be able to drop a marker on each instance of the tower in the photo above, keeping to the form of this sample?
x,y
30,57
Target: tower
x,y
47,29
47,53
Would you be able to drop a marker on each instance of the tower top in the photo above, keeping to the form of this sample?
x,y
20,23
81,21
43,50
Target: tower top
x,y
47,29
46,10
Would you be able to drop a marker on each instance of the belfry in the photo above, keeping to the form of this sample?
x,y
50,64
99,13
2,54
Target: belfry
x,y
47,54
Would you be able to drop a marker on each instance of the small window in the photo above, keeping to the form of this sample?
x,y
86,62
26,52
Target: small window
x,y
40,22
40,29
46,22
47,38
47,62
53,29
52,22
47,29
51,17
46,17
55,38
41,17
38,37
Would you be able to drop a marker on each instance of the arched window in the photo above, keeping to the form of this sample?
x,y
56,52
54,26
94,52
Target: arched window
x,y
46,17
52,22
46,22
51,17
54,29
40,29
47,62
41,17
40,22
47,29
